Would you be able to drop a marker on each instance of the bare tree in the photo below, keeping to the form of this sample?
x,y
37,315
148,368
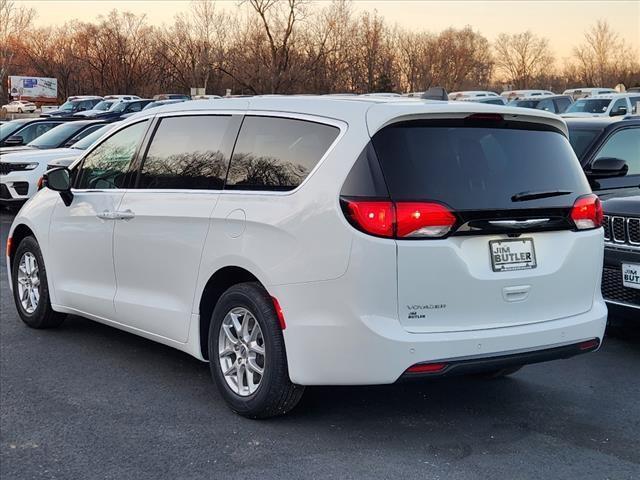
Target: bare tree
x,y
14,21
604,58
522,57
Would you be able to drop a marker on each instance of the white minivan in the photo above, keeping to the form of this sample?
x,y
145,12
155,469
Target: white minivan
x,y
295,241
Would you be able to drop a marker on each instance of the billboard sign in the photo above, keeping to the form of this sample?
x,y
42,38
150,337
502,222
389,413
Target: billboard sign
x,y
34,89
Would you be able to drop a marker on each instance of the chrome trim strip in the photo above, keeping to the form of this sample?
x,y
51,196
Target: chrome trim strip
x,y
622,304
606,220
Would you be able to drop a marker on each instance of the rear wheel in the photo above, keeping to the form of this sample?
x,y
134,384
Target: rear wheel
x,y
247,355
30,288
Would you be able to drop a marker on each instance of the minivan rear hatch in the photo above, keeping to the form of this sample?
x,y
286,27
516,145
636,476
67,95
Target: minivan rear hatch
x,y
514,255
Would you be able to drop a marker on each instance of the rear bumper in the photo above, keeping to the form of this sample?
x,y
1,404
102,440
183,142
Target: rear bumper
x,y
498,362
327,343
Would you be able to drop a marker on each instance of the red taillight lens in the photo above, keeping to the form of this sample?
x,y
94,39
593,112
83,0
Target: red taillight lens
x,y
401,219
376,218
589,344
426,220
587,212
427,368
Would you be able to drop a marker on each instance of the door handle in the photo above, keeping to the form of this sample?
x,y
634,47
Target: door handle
x,y
116,215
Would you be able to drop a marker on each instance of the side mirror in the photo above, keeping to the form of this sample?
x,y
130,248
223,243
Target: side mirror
x,y
618,112
14,141
59,180
607,167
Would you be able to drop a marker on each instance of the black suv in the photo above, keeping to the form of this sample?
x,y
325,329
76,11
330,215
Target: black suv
x,y
621,273
609,152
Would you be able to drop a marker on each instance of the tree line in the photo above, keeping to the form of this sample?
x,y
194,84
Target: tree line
x,y
294,46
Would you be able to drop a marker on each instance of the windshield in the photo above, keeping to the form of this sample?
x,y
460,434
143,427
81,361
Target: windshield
x,y
8,129
119,107
68,106
104,105
589,105
524,103
56,136
87,141
581,139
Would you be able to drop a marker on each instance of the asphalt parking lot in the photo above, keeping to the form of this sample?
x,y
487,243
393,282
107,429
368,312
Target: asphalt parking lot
x,y
87,401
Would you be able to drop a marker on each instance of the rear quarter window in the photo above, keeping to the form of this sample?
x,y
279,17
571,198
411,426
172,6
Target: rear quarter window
x,y
474,168
273,153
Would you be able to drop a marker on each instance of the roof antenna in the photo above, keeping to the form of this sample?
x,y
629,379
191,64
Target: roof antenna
x,y
435,93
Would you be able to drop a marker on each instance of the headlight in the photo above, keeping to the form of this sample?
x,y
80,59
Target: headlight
x,y
7,167
30,166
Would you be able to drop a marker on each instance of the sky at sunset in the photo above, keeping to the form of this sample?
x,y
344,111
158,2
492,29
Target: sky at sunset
x,y
562,22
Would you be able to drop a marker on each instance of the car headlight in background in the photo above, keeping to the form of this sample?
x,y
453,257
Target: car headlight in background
x,y
6,167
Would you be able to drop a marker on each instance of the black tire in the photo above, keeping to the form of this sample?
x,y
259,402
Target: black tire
x,y
276,394
500,373
43,315
19,110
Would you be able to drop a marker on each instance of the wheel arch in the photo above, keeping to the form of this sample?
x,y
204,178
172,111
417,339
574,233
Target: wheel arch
x,y
20,232
218,283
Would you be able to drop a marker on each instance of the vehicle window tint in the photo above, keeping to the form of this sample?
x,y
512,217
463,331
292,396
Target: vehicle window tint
x,y
477,168
562,104
277,153
622,102
624,144
33,131
9,128
187,152
106,166
634,103
56,136
546,105
135,107
581,139
496,101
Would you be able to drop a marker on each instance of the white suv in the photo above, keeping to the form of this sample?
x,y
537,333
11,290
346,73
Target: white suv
x,y
300,241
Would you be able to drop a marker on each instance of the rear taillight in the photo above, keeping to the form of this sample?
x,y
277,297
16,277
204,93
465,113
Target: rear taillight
x,y
423,220
587,212
427,368
400,219
376,218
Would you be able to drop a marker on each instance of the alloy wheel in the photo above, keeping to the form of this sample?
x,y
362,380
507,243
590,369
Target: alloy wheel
x,y
241,351
28,282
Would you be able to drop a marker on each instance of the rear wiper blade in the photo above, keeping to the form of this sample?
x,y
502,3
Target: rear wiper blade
x,y
524,196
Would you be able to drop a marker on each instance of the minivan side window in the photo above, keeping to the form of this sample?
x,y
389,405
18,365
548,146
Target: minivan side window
x,y
274,153
624,144
188,152
106,166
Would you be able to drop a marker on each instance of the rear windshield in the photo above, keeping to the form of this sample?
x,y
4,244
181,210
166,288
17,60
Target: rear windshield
x,y
478,168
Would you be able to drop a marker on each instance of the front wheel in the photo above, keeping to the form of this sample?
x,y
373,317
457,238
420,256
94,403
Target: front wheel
x,y
30,287
247,355
19,110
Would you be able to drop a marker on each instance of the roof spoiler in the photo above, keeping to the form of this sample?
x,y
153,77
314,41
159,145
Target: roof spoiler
x,y
435,93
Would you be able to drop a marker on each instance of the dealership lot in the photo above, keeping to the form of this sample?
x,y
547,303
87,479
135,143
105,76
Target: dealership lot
x,y
89,401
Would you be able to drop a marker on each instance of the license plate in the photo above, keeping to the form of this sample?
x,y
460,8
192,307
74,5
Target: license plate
x,y
510,255
631,275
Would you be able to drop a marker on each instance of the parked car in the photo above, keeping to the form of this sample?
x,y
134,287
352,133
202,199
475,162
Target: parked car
x,y
516,94
122,110
471,94
159,103
621,272
171,96
610,105
18,106
74,105
121,97
61,135
609,152
22,131
20,171
489,100
98,109
430,235
582,92
550,103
